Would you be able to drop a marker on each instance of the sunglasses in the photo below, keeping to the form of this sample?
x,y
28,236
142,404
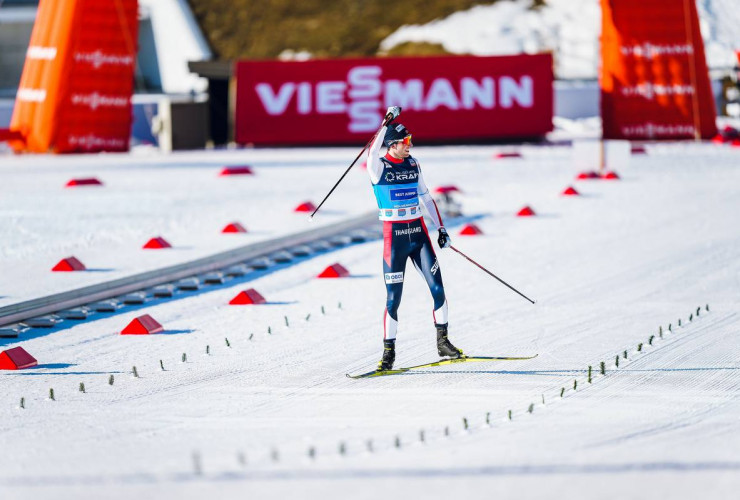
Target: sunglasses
x,y
406,141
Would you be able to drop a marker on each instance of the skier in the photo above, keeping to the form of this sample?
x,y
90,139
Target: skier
x,y
399,188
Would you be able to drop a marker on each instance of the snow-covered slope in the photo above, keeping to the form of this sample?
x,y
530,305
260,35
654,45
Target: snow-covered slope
x,y
608,268
569,28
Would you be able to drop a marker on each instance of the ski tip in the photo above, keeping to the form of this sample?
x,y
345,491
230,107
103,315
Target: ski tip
x,y
377,373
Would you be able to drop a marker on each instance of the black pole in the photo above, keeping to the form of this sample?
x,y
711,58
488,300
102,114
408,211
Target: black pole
x,y
492,275
388,118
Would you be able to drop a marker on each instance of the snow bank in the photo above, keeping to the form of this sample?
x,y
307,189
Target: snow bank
x,y
569,28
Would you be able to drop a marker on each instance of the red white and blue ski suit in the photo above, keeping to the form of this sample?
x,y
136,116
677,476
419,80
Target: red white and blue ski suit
x,y
401,192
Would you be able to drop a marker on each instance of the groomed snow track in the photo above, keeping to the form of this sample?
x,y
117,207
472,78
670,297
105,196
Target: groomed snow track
x,y
357,229
253,400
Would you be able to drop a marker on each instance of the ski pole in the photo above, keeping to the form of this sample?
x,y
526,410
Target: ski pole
x,y
492,275
387,118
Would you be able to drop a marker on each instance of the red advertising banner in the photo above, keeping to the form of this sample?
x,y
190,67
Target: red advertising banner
x,y
75,91
443,98
654,78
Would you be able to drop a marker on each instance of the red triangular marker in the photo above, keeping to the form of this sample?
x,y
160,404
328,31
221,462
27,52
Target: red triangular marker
x,y
243,170
588,175
157,242
446,189
570,191
335,270
470,230
526,212
305,207
247,297
143,325
89,181
69,264
234,227
16,359
505,154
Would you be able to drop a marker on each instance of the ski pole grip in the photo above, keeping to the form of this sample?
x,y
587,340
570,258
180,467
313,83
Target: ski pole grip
x,y
389,116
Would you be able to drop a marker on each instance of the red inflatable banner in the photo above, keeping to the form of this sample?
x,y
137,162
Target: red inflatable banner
x,y
654,77
443,98
75,91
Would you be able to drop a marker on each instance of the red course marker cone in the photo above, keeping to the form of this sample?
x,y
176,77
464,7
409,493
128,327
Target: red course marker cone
x,y
243,170
570,191
335,270
234,227
446,189
247,297
89,181
471,230
611,176
157,242
69,264
306,206
588,175
16,359
507,154
526,212
143,325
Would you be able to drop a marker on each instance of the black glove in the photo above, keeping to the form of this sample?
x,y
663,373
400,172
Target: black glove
x,y
444,239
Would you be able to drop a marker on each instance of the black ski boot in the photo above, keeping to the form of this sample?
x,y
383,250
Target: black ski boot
x,y
444,346
389,355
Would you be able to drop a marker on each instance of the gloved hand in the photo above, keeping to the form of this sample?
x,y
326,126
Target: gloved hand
x,y
444,239
393,111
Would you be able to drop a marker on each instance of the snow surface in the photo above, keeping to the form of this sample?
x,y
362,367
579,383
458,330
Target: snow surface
x,y
178,40
607,269
568,28
180,197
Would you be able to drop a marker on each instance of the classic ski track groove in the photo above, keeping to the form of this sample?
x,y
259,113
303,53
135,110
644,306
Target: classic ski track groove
x,y
245,362
201,379
615,376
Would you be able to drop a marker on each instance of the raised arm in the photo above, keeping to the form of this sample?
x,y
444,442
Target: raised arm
x,y
374,165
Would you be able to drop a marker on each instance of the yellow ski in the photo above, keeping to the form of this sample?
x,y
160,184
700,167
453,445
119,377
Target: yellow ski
x,y
441,362
378,373
465,359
